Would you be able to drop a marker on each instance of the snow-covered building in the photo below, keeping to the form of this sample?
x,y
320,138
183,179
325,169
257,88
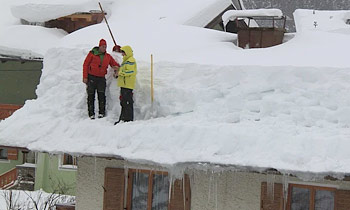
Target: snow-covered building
x,y
20,168
228,128
288,7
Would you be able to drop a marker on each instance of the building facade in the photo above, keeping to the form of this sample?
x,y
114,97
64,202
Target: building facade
x,y
117,184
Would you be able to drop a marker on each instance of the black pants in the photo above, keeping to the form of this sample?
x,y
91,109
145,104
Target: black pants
x,y
96,84
127,103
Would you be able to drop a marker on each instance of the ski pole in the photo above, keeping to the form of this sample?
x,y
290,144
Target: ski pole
x,y
104,17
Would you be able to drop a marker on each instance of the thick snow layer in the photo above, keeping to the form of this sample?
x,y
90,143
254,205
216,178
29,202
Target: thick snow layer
x,y
285,107
315,20
42,10
207,14
18,53
283,117
231,15
35,39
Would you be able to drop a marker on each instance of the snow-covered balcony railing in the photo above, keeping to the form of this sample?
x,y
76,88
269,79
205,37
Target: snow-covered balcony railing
x,y
8,178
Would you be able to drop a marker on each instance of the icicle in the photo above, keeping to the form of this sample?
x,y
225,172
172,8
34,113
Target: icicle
x,y
95,168
216,194
192,182
209,184
270,185
184,190
285,180
170,186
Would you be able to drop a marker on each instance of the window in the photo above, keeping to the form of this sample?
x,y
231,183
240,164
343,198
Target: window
x,y
306,197
148,190
29,156
3,154
68,161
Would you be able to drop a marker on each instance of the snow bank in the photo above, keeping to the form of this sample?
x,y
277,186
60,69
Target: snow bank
x,y
292,118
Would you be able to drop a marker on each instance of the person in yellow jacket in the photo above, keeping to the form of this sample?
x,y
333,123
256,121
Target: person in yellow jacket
x,y
126,77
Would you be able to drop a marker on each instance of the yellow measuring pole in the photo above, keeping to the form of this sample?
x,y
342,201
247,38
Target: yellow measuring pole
x,y
152,96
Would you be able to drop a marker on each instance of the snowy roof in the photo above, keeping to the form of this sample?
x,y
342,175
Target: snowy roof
x,y
284,107
10,53
231,15
322,20
41,11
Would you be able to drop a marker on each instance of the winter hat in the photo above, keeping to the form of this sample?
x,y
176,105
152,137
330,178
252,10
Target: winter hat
x,y
102,42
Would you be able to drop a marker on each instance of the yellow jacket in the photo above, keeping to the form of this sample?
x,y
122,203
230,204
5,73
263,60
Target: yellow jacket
x,y
128,69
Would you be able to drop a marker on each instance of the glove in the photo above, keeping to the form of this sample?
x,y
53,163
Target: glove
x,y
116,48
115,74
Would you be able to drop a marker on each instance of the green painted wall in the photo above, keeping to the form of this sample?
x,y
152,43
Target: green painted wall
x,y
18,80
51,178
6,165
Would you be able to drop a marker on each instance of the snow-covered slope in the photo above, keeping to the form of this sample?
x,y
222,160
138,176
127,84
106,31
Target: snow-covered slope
x,y
285,107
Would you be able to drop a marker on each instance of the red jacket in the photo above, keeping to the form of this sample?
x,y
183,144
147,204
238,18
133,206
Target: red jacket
x,y
94,66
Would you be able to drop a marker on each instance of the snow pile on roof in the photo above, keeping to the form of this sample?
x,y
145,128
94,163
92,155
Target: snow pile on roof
x,y
288,118
7,18
207,14
285,107
6,52
193,13
316,20
231,15
35,39
41,12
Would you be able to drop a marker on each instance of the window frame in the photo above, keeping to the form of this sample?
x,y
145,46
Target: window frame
x,y
150,186
62,160
312,189
4,159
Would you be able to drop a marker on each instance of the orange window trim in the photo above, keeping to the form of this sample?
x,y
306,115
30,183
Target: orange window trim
x,y
150,185
312,189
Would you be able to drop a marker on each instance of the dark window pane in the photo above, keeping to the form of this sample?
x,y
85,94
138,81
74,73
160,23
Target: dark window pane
x,y
300,198
139,191
3,153
324,200
30,157
160,194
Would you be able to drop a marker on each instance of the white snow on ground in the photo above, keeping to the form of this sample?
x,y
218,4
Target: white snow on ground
x,y
285,107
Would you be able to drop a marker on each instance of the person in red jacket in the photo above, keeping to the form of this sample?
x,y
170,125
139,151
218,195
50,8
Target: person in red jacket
x,y
94,71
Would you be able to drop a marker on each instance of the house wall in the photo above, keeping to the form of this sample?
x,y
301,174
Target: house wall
x,y
225,190
6,165
51,178
20,77
90,180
